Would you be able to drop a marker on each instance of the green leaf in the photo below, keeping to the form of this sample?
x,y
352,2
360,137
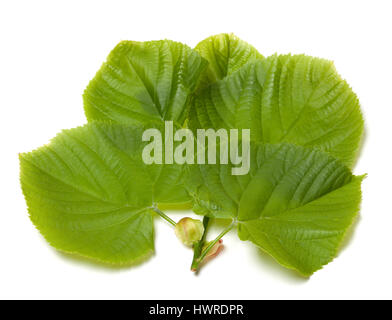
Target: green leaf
x,y
89,192
144,81
296,203
225,53
295,99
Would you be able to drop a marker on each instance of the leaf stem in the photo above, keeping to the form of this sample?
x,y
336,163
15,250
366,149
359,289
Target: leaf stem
x,y
196,262
198,246
164,216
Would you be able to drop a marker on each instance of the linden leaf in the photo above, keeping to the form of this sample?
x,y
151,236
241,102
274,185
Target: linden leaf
x,y
89,192
295,203
225,53
143,81
295,99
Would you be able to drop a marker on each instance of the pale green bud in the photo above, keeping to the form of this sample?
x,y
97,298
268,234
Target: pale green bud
x,y
189,230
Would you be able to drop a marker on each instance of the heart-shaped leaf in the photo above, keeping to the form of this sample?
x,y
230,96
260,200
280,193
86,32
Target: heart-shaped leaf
x,y
143,81
89,192
225,53
295,203
295,99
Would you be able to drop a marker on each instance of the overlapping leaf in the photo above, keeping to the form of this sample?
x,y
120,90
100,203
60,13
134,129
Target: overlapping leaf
x,y
89,192
225,54
295,99
143,81
296,203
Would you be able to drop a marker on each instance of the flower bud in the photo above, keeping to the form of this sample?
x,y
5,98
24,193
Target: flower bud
x,y
189,230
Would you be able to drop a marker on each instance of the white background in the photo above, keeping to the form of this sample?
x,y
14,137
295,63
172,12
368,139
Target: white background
x,y
49,50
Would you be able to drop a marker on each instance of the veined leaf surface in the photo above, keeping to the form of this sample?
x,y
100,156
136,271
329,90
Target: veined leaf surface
x,y
225,53
89,192
143,81
295,99
296,203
